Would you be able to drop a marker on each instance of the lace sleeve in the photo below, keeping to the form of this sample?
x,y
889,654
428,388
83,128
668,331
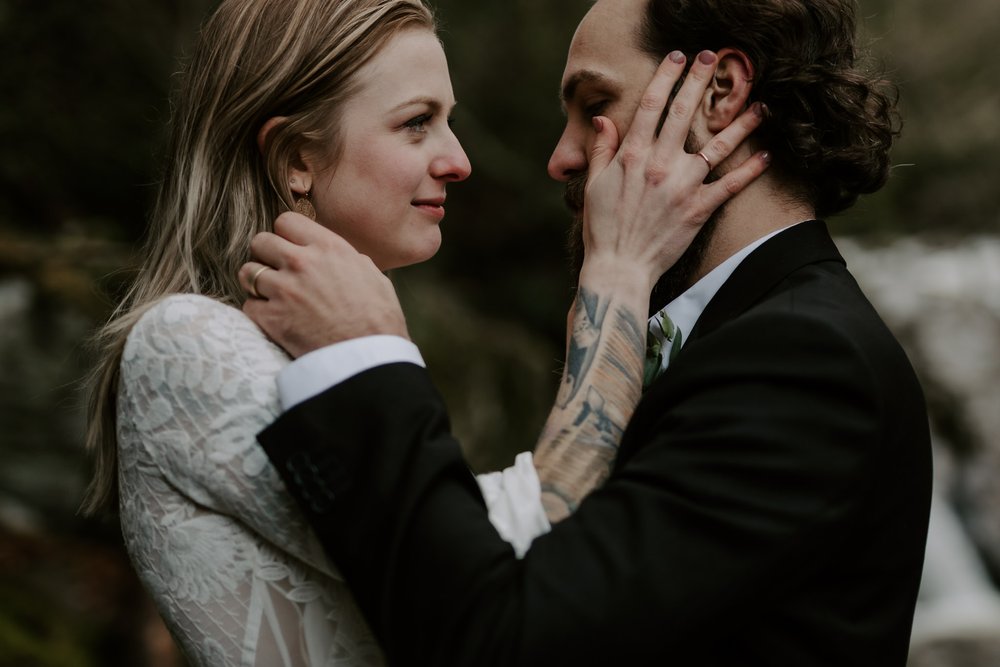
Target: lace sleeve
x,y
199,378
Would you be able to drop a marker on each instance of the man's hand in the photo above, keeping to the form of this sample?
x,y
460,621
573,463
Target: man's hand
x,y
647,199
310,288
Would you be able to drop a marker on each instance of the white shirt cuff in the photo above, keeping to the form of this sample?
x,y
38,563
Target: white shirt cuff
x,y
514,501
317,371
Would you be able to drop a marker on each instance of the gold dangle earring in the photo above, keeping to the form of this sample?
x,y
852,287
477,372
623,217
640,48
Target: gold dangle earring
x,y
304,206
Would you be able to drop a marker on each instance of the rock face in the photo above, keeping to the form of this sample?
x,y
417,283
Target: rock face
x,y
944,304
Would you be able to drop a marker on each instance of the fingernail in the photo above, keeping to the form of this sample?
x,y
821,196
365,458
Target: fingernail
x,y
598,124
766,157
764,110
706,57
677,57
758,109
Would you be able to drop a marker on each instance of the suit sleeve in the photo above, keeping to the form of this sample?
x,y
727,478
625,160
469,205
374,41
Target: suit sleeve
x,y
738,469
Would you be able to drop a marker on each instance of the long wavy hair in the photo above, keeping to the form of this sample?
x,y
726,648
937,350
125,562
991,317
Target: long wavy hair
x,y
832,119
254,60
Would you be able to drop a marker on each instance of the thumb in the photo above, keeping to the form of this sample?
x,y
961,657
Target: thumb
x,y
605,146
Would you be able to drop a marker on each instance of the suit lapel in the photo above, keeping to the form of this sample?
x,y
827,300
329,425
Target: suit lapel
x,y
803,244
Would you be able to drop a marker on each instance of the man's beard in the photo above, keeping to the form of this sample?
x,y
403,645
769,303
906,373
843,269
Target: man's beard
x,y
674,281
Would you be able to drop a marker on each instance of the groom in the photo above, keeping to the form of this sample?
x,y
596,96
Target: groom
x,y
769,501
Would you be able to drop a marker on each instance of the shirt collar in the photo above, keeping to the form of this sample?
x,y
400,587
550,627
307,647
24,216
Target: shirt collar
x,y
685,310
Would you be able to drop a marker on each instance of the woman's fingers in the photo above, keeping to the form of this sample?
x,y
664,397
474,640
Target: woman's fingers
x,y
677,125
300,230
253,278
654,100
732,183
725,142
604,148
271,249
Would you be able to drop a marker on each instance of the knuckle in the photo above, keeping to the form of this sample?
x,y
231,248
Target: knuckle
x,y
656,174
651,102
629,156
255,244
731,184
720,147
679,109
295,262
284,221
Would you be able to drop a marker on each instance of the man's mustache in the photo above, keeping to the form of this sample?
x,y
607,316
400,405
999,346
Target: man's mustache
x,y
576,188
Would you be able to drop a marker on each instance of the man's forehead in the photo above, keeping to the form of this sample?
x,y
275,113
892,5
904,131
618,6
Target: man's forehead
x,y
605,46
611,22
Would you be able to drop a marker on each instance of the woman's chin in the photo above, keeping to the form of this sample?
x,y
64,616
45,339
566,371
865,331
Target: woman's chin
x,y
416,254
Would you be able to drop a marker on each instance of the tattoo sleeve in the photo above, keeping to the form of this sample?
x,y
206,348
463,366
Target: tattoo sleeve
x,y
601,385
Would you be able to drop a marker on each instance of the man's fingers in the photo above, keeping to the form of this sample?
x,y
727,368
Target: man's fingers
x,y
605,147
654,100
716,194
726,141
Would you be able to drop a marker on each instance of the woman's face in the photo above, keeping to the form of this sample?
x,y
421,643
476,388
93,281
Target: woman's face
x,y
385,194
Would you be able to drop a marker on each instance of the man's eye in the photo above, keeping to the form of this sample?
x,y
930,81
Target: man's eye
x,y
418,124
596,109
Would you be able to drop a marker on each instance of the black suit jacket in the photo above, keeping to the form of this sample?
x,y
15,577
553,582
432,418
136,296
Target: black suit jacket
x,y
768,506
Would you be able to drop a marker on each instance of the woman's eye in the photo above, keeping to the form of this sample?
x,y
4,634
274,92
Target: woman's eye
x,y
419,123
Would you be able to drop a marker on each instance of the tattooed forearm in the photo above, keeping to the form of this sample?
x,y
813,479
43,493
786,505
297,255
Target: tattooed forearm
x,y
587,322
602,383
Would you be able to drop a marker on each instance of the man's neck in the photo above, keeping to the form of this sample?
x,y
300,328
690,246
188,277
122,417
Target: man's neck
x,y
763,208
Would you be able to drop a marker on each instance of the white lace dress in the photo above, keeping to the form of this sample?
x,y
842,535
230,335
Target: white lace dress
x,y
237,575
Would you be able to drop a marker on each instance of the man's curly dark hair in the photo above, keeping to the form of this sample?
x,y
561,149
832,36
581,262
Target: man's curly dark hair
x,y
831,123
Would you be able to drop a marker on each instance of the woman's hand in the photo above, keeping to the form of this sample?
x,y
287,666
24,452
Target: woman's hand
x,y
646,200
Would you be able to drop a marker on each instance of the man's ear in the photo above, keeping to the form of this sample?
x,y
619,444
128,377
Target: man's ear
x,y
729,92
300,176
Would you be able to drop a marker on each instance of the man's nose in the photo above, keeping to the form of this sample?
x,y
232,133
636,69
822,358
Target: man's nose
x,y
569,157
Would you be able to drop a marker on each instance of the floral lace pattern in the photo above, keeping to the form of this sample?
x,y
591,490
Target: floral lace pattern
x,y
236,573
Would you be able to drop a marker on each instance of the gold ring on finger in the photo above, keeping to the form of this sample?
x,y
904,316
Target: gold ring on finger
x,y
705,158
253,282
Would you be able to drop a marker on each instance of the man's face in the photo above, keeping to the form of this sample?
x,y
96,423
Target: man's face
x,y
606,74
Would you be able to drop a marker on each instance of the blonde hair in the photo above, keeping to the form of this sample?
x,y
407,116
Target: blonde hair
x,y
254,60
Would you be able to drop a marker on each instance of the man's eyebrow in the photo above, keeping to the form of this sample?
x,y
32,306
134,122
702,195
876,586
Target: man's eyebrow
x,y
568,91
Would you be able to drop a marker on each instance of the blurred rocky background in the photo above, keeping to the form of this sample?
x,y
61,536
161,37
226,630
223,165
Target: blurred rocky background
x,y
83,98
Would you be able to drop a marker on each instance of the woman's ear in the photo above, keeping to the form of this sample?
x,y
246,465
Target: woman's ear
x,y
299,175
729,92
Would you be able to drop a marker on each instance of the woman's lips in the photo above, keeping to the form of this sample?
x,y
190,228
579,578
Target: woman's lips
x,y
432,207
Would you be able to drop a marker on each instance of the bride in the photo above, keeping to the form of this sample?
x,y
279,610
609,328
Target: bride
x,y
186,381
338,110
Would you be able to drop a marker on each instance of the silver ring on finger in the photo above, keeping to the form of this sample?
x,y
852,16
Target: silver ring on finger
x,y
253,282
705,158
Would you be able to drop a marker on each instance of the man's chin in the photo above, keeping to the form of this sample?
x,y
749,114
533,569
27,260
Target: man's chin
x,y
673,282
679,277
